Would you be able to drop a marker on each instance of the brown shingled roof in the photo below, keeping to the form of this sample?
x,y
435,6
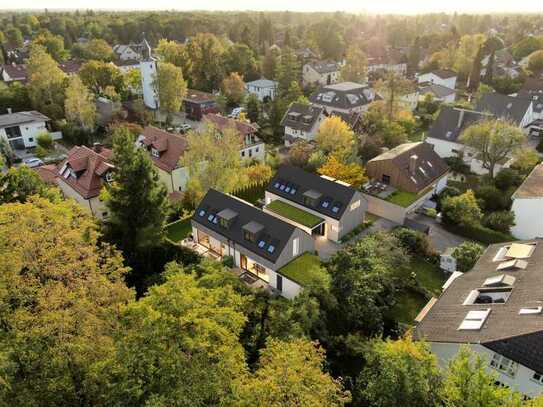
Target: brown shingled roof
x,y
48,173
90,166
170,146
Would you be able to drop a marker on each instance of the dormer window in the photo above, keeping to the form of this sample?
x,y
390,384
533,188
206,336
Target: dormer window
x,y
155,153
109,176
226,218
251,230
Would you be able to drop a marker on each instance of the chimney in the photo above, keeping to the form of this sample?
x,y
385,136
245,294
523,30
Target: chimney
x,y
9,110
460,118
97,147
413,164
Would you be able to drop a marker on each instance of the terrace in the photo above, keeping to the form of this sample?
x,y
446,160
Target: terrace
x,y
295,214
304,269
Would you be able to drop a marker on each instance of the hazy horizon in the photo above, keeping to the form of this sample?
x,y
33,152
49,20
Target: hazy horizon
x,y
382,7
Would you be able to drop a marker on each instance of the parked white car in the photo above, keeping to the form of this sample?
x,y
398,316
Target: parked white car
x,y
32,162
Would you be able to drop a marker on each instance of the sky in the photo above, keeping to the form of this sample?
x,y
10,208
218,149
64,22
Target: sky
x,y
371,6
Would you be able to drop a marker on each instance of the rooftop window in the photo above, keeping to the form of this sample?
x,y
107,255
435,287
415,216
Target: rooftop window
x,y
488,296
201,213
336,207
271,248
474,320
530,310
520,250
499,281
512,265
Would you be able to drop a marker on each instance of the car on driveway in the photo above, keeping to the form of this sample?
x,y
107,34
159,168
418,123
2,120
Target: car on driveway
x,y
32,162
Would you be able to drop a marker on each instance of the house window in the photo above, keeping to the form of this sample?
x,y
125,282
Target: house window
x,y
13,132
504,365
296,246
385,179
537,377
31,139
109,176
155,153
256,150
249,236
243,153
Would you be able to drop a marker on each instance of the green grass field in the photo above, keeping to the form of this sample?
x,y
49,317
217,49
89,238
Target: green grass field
x,y
178,230
295,214
302,270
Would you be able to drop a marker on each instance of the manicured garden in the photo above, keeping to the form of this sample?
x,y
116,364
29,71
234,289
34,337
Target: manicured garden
x,y
303,270
402,198
295,214
178,230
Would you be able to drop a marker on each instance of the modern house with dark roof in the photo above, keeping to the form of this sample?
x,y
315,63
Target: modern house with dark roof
x,y
252,147
445,132
260,244
82,175
441,77
320,73
495,309
302,121
344,97
263,88
517,110
21,129
319,205
197,104
528,206
411,167
165,150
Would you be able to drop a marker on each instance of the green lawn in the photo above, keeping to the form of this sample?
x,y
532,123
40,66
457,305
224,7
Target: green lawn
x,y
178,230
428,275
291,212
303,269
408,306
402,198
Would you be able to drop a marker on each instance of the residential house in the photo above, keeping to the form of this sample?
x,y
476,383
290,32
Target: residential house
x,y
412,171
320,73
305,54
127,52
126,65
444,135
353,119
22,129
319,205
439,93
82,175
259,243
197,104
528,206
166,150
252,147
410,167
533,90
346,97
264,89
441,77
391,60
302,121
516,110
495,310
14,73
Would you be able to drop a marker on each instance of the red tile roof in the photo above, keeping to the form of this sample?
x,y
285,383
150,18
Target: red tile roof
x,y
90,166
171,147
48,173
197,96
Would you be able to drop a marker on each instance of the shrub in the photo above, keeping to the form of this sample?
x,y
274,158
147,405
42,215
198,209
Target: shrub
x,y
480,233
413,241
45,141
41,152
502,221
228,261
466,255
492,198
462,210
507,178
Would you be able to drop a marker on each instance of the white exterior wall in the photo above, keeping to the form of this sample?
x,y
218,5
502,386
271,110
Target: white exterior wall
x,y
290,288
430,77
255,151
528,219
399,69
262,92
128,54
30,133
93,205
148,72
522,381
311,77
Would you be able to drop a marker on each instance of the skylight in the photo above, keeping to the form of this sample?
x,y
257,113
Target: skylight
x,y
201,213
530,310
271,248
261,244
499,280
336,207
474,320
520,250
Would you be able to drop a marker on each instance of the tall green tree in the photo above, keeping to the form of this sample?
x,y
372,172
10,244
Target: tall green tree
x,y
287,71
391,88
494,140
79,104
136,199
206,55
466,255
241,59
45,83
100,76
356,65
18,184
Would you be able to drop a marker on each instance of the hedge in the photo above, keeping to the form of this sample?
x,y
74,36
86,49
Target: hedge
x,y
480,233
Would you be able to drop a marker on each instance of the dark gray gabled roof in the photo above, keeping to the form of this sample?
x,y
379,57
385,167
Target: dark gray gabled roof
x,y
504,106
324,67
301,117
15,119
344,95
451,121
439,91
535,97
516,336
268,228
444,73
308,184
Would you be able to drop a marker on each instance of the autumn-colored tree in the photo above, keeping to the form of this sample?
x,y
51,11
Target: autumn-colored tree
x,y
45,83
214,161
467,52
259,173
336,137
18,184
352,173
99,75
233,88
535,62
289,373
59,303
391,88
356,65
206,55
171,88
53,44
172,52
79,104
462,210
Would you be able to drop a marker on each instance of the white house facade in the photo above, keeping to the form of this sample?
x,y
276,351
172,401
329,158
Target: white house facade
x,y
264,89
528,206
21,129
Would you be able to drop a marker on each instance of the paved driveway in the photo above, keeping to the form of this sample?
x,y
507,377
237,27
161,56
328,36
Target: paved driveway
x,y
440,238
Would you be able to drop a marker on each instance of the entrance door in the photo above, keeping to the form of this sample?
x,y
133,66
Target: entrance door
x,y
243,262
279,283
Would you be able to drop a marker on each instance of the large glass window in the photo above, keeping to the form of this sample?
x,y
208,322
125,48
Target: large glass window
x,y
13,132
504,365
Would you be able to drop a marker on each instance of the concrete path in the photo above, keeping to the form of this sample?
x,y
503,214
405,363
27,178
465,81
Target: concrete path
x,y
440,238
